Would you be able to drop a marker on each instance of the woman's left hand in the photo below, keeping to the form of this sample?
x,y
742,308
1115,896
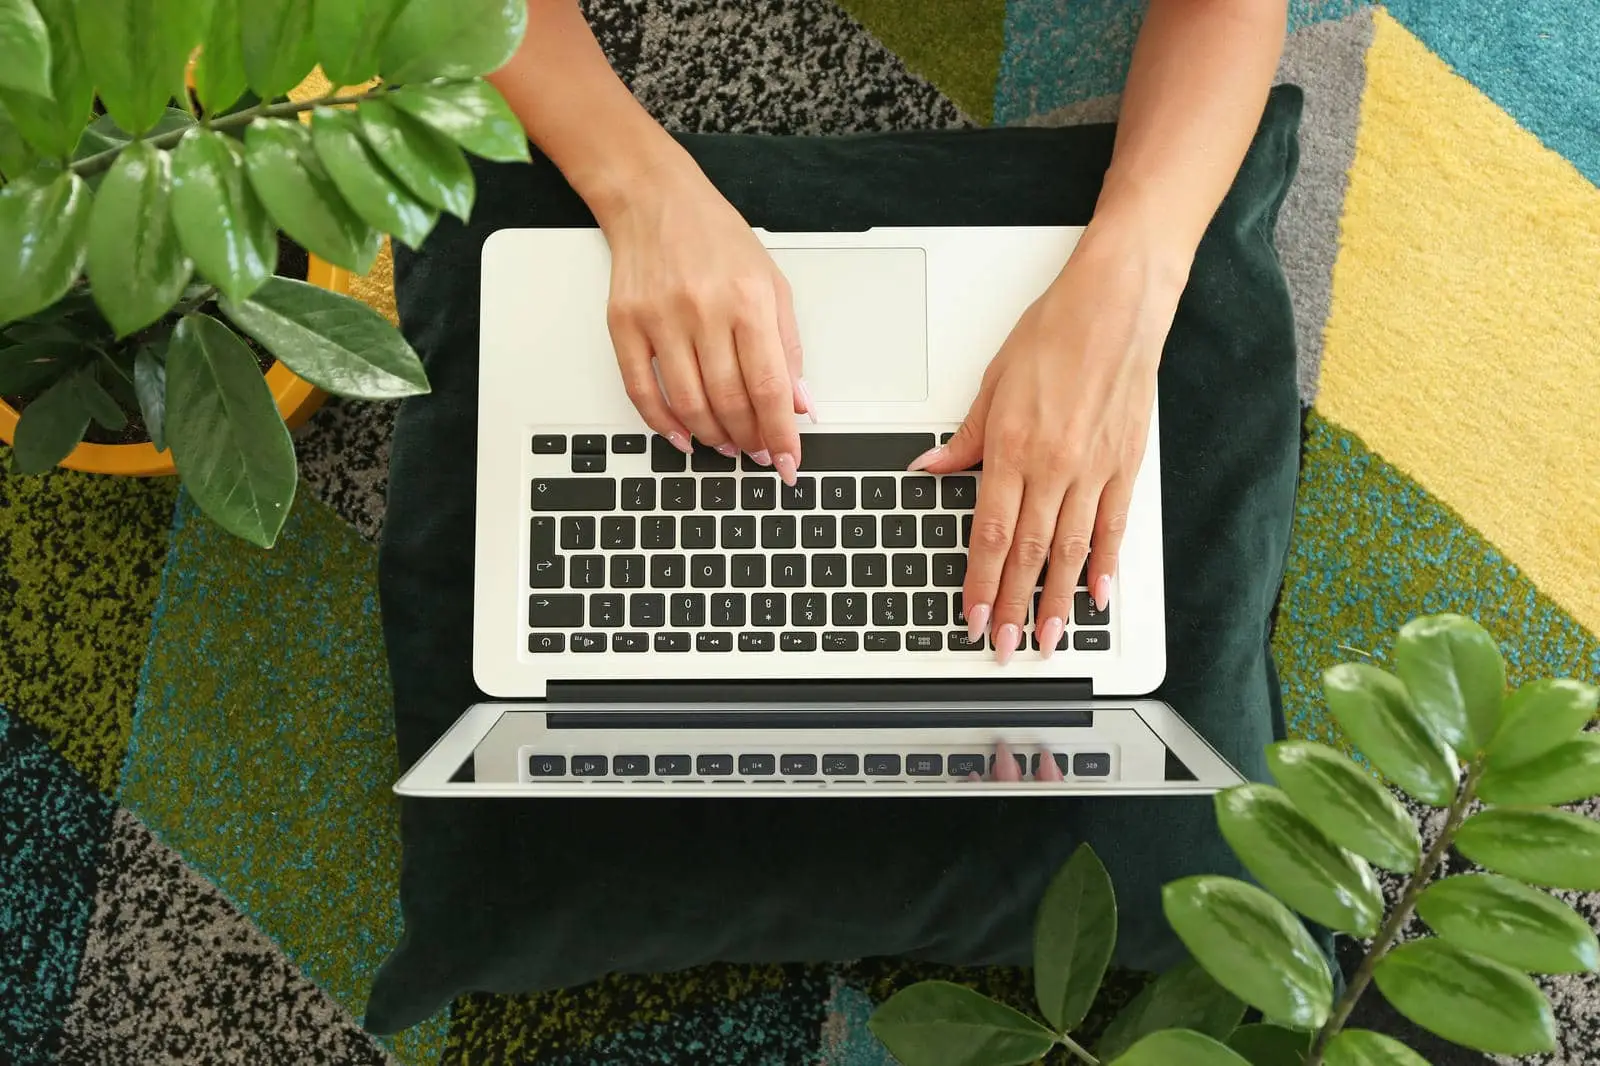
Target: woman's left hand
x,y
1060,424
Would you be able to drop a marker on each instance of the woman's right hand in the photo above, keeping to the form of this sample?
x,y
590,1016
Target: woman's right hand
x,y
703,323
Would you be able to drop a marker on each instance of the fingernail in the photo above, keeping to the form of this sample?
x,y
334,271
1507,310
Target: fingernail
x,y
763,457
680,442
805,398
1050,636
977,621
1102,591
927,458
1005,642
727,450
1048,770
785,464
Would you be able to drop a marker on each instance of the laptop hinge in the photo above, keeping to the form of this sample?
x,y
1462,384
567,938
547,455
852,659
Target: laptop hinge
x,y
812,691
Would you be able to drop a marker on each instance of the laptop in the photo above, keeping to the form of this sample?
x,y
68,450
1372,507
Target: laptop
x,y
647,623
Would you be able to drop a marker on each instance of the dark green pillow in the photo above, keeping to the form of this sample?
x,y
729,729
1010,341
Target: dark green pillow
x,y
519,896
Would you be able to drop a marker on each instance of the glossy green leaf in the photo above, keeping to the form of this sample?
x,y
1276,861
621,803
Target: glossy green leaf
x,y
1375,712
44,236
51,426
1557,849
300,196
114,370
452,39
1185,997
137,270
1466,999
1073,936
150,385
27,368
429,165
138,52
104,134
101,405
276,46
221,222
16,155
228,441
333,341
1343,800
1453,669
1538,716
936,1023
471,113
24,48
348,33
1509,922
1292,859
1172,1046
51,123
1253,945
1569,773
1270,1045
1359,1047
365,183
219,77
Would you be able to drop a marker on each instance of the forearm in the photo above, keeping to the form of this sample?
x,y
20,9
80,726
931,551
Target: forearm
x,y
1194,97
578,112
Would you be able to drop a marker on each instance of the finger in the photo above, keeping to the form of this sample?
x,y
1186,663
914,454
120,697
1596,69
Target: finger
x,y
1005,764
964,449
793,355
767,380
635,361
680,380
724,388
1067,551
994,520
1030,546
1049,769
1110,522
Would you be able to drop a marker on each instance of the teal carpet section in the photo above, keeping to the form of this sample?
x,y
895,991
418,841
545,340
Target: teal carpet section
x,y
1537,59
52,827
262,749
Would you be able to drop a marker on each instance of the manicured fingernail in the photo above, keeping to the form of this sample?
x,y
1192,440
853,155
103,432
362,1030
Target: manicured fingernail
x,y
785,464
1048,769
763,457
680,442
1005,642
805,398
1102,591
977,621
1050,636
728,450
927,458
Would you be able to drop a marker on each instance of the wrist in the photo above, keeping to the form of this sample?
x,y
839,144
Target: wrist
x,y
1139,249
613,181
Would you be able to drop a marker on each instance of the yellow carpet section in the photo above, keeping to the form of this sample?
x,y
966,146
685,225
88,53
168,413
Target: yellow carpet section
x,y
1464,340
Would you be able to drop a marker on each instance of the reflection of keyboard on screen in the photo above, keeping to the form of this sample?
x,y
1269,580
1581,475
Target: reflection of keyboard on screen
x,y
635,548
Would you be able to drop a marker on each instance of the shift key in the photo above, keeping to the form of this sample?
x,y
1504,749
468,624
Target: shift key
x,y
574,494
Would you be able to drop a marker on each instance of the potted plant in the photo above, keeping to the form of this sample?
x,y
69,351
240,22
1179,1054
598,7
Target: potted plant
x,y
1443,729
156,187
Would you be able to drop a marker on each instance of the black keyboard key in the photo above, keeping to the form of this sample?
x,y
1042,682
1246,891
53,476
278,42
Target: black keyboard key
x,y
958,614
877,493
888,608
588,464
605,610
589,444
728,610
547,766
1091,764
836,640
629,443
669,642
658,533
618,533
1063,763
838,493
818,531
1091,640
588,642
910,570
797,641
758,493
849,608
778,531
756,642
574,494
967,765
946,438
588,572
808,609
630,642
590,765
739,531
749,571
667,571
757,765
698,531
549,573
631,765
549,444
924,765
966,531
677,494
958,493
799,765
860,531
1022,763
918,493
801,496
899,531
828,571
938,531
672,765
555,610
869,571
1085,613
956,640
877,641
1061,644
883,765
577,533
627,571
930,609
708,571
542,536
713,642
638,494
889,452
688,610
924,641
647,610
714,765
768,610
665,458
949,570
718,494
546,643
841,765
710,461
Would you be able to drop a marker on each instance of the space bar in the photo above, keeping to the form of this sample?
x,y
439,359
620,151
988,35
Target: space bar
x,y
824,452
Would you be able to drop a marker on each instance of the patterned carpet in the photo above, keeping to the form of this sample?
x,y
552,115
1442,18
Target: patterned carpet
x,y
199,852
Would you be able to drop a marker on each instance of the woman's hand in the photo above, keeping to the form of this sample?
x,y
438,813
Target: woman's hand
x,y
1060,423
696,298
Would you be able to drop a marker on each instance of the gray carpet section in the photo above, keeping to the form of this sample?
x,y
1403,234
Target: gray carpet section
x,y
172,973
344,460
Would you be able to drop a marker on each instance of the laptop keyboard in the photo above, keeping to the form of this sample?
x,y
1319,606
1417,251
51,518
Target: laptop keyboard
x,y
806,766
637,548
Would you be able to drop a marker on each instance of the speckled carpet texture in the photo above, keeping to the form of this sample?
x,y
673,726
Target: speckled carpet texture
x,y
198,847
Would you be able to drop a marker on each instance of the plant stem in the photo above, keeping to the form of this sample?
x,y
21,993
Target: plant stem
x,y
1385,940
1073,1046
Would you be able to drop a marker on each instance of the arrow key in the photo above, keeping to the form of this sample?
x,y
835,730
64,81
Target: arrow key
x,y
549,572
555,611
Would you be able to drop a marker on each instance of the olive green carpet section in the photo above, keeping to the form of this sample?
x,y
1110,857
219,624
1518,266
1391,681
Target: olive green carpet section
x,y
80,563
956,44
263,750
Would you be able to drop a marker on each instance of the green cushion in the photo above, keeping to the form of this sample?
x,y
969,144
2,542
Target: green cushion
x,y
519,896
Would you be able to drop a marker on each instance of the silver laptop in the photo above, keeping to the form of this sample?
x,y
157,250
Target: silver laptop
x,y
653,624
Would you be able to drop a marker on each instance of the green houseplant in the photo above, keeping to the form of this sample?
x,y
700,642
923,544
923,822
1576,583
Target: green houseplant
x,y
150,164
1443,729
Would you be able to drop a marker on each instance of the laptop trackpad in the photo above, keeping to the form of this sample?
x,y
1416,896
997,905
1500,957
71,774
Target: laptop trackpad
x,y
863,317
